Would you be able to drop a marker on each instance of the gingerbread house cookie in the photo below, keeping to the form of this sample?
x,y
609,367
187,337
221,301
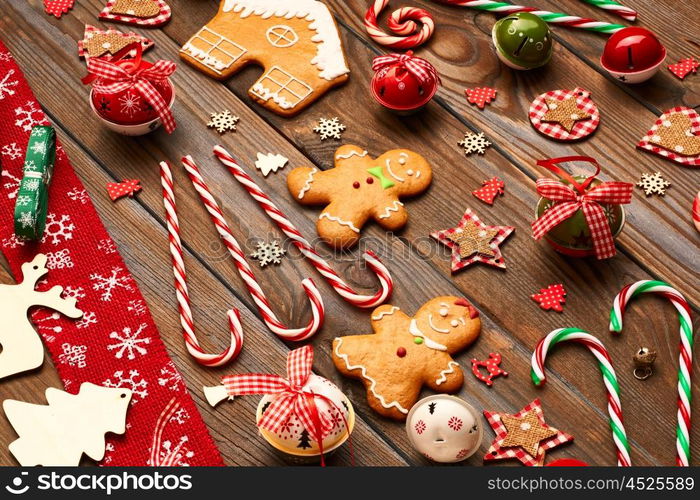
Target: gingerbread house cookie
x,y
296,42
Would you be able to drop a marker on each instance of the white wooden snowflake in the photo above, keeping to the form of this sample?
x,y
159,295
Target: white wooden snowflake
x,y
653,184
129,342
474,143
107,284
268,253
11,150
329,128
270,163
223,121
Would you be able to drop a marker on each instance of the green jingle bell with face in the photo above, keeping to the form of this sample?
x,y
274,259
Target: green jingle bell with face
x,y
522,41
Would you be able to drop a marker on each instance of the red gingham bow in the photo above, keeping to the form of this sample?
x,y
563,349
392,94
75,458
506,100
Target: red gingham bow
x,y
111,78
568,200
417,66
289,394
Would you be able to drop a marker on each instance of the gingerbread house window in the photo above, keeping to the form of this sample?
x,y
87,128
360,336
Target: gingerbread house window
x,y
282,36
214,50
280,86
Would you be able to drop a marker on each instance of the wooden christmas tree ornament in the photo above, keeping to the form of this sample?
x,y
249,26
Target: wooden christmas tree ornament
x,y
59,433
22,349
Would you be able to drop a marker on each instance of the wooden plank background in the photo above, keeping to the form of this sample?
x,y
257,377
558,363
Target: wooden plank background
x,y
658,242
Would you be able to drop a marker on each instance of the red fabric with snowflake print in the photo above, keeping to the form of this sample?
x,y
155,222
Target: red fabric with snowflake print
x,y
116,342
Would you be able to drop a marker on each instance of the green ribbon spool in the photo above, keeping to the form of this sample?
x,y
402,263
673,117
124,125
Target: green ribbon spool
x,y
33,195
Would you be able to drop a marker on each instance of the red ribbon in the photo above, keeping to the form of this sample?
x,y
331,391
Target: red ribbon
x,y
580,196
289,396
110,77
418,67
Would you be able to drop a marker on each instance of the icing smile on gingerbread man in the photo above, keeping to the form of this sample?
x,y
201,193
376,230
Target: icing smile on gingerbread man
x,y
360,188
406,353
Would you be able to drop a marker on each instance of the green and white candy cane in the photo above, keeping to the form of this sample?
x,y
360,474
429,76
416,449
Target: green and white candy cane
x,y
609,378
685,358
558,18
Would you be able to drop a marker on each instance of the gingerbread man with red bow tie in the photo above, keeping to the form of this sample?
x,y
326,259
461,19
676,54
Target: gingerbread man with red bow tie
x,y
406,353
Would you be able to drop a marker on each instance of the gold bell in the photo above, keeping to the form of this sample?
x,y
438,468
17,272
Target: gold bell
x,y
644,361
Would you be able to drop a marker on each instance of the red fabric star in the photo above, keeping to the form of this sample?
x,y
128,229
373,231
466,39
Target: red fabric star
x,y
58,7
128,187
496,452
485,242
481,96
553,297
684,67
489,190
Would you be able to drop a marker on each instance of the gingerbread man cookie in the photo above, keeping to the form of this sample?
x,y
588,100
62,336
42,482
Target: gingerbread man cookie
x,y
360,188
295,41
406,353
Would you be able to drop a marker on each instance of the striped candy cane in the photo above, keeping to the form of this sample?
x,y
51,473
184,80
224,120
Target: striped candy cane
x,y
269,318
551,17
609,378
686,355
615,8
181,290
402,23
286,226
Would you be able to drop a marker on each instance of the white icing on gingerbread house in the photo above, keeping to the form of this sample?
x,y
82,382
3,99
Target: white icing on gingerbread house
x,y
296,41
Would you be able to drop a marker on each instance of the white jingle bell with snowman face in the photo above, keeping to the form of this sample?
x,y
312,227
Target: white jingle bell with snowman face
x,y
444,428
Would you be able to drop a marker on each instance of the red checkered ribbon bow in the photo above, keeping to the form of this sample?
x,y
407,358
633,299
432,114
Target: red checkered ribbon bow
x,y
420,68
109,77
289,395
579,196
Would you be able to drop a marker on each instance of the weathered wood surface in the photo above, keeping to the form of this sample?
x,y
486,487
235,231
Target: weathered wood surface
x,y
658,241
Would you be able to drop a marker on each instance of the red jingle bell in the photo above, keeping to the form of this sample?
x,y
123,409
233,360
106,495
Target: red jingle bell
x,y
633,55
403,83
130,95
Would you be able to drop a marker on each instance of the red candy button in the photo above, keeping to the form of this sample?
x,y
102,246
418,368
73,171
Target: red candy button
x,y
401,352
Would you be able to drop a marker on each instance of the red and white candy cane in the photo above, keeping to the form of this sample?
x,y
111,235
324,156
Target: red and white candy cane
x,y
286,226
244,269
181,291
686,356
402,23
609,378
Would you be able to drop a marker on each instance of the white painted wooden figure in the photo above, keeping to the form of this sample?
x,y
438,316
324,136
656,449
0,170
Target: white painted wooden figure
x,y
22,349
59,433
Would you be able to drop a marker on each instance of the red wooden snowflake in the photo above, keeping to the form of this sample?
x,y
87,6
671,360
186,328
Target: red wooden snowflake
x,y
553,297
128,187
489,190
481,96
684,67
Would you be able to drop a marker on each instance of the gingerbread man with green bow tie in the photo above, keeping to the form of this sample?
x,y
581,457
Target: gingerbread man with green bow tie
x,y
360,188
